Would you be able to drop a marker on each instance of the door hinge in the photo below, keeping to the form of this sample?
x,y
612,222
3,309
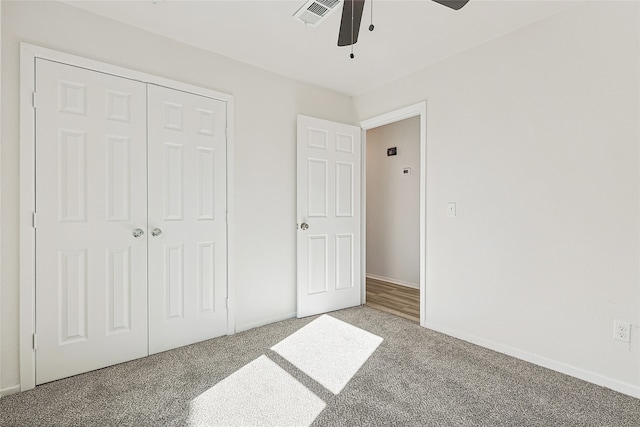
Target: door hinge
x,y
33,220
35,341
34,99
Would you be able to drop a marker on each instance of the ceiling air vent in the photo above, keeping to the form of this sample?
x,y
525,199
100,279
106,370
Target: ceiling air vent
x,y
314,12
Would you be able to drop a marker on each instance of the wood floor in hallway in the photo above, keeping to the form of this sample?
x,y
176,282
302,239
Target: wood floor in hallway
x,y
395,299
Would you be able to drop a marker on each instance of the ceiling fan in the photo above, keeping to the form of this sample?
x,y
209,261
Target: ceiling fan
x,y
352,17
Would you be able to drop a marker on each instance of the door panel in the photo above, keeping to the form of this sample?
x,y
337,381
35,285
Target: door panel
x,y
187,202
91,289
328,201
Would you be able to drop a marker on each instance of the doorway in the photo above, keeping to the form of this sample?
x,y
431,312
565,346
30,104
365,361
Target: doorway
x,y
393,217
394,220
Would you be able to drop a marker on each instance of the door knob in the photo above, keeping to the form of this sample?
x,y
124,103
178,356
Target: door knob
x,y
304,226
156,232
138,232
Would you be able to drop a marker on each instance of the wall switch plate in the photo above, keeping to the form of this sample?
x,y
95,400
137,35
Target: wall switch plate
x,y
621,331
451,209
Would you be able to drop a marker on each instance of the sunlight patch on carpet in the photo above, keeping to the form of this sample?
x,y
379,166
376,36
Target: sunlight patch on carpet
x,y
259,394
328,350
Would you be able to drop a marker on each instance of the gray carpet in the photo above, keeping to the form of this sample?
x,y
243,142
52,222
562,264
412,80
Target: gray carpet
x,y
416,377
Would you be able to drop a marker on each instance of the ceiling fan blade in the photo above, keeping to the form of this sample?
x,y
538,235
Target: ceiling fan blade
x,y
346,36
453,4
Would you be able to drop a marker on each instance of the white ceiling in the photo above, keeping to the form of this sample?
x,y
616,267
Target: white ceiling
x,y
408,35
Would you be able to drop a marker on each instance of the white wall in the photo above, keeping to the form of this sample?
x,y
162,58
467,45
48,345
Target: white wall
x,y
393,203
535,136
265,116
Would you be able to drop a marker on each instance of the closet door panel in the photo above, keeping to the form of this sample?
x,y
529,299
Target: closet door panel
x,y
187,218
91,272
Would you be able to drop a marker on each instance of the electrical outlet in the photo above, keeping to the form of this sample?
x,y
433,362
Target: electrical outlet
x,y
621,330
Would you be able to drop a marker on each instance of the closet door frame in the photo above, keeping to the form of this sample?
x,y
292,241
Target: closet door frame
x,y
28,99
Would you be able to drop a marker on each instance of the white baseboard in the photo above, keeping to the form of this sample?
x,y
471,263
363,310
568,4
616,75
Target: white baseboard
x,y
619,386
247,326
601,380
394,281
9,390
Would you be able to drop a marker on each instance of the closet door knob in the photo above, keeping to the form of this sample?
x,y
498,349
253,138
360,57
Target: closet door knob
x,y
304,226
156,232
138,232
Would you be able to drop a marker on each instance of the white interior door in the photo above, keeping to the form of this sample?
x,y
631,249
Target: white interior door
x,y
187,218
329,216
91,283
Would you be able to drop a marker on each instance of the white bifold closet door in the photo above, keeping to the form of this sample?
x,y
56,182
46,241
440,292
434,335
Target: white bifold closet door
x,y
130,219
187,208
91,195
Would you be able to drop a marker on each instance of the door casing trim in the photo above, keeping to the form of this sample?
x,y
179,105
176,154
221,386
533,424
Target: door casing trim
x,y
419,109
28,55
